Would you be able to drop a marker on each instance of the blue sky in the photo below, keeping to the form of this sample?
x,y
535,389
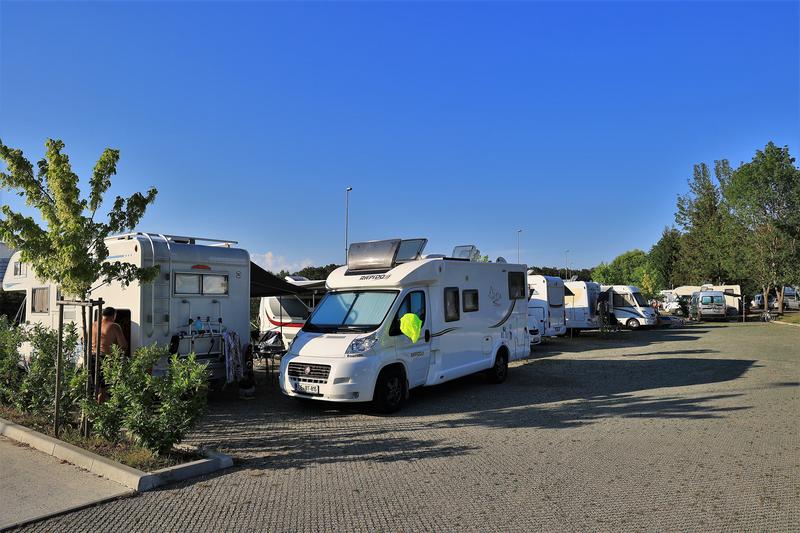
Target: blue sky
x,y
462,122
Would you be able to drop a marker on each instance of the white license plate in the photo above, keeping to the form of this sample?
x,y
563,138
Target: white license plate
x,y
306,389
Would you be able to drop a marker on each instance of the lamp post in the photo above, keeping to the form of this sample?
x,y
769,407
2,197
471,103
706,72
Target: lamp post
x,y
566,264
519,231
346,221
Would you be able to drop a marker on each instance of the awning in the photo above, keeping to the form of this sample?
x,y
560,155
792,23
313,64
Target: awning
x,y
263,283
568,292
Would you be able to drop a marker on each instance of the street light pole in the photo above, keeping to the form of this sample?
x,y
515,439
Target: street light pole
x,y
519,231
566,264
346,220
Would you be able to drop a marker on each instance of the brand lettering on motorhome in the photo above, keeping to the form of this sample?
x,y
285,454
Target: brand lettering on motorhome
x,y
374,276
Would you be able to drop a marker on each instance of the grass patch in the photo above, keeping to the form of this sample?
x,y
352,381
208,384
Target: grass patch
x,y
791,318
125,451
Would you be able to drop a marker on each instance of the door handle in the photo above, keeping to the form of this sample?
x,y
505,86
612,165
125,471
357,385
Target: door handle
x,y
427,335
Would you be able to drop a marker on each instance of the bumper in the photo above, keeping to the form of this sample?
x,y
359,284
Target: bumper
x,y
350,379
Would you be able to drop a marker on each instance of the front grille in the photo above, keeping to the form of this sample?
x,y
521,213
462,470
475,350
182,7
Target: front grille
x,y
316,372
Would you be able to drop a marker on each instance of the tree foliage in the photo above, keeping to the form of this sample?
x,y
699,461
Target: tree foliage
x,y
69,247
663,258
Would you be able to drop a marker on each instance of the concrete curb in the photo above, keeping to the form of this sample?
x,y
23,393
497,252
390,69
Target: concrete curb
x,y
785,323
109,469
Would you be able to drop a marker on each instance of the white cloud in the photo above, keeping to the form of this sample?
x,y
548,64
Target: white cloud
x,y
276,263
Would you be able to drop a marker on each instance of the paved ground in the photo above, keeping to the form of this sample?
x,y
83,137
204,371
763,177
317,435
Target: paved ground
x,y
690,429
34,484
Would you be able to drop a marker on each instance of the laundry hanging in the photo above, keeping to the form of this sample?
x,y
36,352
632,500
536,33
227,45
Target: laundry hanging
x,y
234,358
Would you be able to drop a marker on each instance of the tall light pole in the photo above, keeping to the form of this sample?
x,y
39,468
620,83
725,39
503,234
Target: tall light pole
x,y
566,264
518,233
346,220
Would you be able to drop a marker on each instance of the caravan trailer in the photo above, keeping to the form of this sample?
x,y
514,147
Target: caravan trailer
x,y
546,305
394,320
580,307
202,291
629,306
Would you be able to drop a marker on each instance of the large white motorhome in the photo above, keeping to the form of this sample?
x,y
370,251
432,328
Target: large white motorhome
x,y
580,307
201,291
629,306
546,305
395,319
283,316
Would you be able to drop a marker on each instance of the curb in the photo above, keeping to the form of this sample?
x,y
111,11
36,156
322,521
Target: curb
x,y
785,323
109,469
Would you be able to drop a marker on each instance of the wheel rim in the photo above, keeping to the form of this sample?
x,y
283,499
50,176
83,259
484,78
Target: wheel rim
x,y
633,324
394,391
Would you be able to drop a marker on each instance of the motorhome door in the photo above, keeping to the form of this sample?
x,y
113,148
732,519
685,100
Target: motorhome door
x,y
417,355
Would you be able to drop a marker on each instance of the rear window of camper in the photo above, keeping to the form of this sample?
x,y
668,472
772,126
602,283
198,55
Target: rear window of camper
x,y
201,284
516,285
451,310
470,300
40,300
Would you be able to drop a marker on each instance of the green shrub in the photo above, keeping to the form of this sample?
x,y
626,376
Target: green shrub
x,y
11,373
37,390
155,411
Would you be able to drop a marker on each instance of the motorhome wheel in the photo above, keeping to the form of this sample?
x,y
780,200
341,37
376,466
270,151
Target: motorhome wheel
x,y
633,323
499,372
389,391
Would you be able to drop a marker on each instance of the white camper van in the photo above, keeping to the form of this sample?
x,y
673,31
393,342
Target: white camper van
x,y
395,319
580,307
546,305
630,307
202,291
283,316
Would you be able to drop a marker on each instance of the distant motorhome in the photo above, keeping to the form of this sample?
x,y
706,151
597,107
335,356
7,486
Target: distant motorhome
x,y
580,306
629,306
395,319
546,305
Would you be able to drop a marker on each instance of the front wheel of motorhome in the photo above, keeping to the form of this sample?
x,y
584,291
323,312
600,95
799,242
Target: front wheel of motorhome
x,y
499,372
633,323
390,390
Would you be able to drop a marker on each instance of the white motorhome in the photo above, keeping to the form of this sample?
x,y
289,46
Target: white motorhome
x,y
629,306
395,320
733,294
546,305
202,291
283,316
580,307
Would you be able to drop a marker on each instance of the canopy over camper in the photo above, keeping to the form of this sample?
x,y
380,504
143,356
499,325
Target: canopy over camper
x,y
395,319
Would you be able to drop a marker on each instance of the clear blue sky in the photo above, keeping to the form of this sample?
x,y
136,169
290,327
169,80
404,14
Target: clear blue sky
x,y
576,122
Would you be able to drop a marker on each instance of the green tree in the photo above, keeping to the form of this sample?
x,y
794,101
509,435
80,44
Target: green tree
x,y
626,269
663,257
316,273
70,245
764,198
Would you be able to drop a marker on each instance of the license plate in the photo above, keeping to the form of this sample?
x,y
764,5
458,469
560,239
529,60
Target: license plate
x,y
307,389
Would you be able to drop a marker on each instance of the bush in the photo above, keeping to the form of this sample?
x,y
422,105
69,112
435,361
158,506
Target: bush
x,y
11,373
155,411
36,392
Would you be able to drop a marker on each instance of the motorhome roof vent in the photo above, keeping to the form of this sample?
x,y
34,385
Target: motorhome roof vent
x,y
501,260
383,255
469,252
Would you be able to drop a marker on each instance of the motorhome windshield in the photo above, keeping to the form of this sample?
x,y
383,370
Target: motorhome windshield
x,y
360,311
640,301
288,307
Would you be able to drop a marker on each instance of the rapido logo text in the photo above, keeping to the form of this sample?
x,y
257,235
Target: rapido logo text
x,y
368,277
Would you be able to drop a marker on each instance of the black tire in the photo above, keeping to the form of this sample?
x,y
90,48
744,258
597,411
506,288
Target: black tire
x,y
390,391
633,324
499,371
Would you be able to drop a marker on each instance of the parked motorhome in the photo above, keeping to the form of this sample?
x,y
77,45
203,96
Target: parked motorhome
x,y
201,292
629,306
395,319
283,316
733,294
580,307
546,305
711,305
791,298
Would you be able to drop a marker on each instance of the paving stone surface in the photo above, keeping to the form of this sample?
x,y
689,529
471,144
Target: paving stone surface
x,y
692,429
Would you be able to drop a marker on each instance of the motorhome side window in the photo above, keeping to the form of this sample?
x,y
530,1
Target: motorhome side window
x,y
215,284
414,302
516,285
201,284
451,308
621,301
40,300
470,300
20,269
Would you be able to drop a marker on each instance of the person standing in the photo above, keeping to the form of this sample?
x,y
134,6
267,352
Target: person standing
x,y
110,335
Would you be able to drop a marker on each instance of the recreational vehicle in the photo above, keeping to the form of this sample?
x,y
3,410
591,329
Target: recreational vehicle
x,y
791,298
629,306
395,320
711,305
580,307
546,305
282,316
733,294
202,291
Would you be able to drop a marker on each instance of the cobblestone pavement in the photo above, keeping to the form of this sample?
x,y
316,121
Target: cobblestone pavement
x,y
684,429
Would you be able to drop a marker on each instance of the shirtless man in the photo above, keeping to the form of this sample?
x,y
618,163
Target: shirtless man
x,y
110,335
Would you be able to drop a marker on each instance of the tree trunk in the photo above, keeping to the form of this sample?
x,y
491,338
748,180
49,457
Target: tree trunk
x,y
780,298
766,298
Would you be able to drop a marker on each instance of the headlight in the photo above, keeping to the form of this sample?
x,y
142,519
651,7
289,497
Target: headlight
x,y
361,345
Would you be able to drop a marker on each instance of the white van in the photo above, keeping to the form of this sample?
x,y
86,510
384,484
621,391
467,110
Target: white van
x,y
202,291
394,320
580,306
546,305
711,305
283,316
629,306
